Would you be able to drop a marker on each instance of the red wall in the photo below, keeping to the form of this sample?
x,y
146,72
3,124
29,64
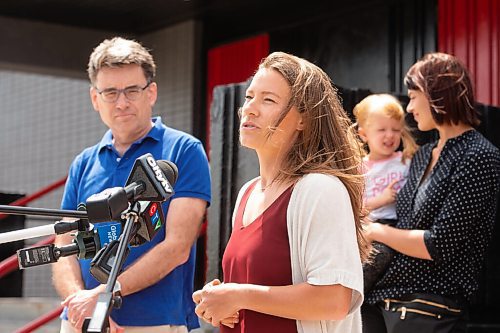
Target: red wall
x,y
233,63
470,30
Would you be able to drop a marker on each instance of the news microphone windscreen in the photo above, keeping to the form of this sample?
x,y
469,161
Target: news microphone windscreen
x,y
151,219
157,185
170,170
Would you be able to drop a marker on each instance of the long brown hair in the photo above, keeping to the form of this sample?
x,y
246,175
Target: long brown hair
x,y
327,144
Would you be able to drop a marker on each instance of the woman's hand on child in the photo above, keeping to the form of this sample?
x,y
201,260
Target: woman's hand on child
x,y
370,229
366,227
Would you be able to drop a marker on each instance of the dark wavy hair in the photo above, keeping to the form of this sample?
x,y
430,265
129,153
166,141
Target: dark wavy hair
x,y
446,82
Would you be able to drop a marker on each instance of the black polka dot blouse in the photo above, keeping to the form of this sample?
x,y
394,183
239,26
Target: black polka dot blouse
x,y
456,206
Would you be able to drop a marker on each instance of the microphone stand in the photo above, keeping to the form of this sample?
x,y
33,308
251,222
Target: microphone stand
x,y
81,223
17,210
99,323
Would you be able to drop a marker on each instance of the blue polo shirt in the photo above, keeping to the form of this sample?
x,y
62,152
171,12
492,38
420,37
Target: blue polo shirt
x,y
167,302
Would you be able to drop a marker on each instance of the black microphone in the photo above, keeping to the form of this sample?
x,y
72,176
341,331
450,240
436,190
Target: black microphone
x,y
149,180
151,218
152,183
85,245
162,176
87,242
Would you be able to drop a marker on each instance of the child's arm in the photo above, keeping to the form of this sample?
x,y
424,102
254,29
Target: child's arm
x,y
387,196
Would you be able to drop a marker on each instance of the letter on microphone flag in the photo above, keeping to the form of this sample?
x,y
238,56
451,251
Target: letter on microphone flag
x,y
108,231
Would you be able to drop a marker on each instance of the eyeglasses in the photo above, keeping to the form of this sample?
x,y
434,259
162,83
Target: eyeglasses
x,y
111,95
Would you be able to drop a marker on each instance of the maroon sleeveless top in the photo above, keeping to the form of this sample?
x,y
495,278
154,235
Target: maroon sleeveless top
x,y
260,254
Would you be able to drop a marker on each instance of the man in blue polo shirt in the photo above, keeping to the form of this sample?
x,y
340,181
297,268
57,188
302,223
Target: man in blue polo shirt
x,y
157,280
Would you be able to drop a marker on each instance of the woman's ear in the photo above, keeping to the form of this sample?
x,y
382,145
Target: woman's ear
x,y
300,123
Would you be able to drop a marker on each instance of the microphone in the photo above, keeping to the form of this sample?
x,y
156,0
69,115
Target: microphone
x,y
85,245
149,183
149,180
151,218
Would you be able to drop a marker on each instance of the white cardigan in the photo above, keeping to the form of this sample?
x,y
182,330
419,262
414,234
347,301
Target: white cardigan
x,y
323,245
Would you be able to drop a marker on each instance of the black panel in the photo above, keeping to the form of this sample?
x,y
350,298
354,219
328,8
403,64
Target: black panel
x,y
11,285
231,166
225,19
364,44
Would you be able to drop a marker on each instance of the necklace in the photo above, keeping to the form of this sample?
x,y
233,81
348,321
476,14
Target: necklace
x,y
264,188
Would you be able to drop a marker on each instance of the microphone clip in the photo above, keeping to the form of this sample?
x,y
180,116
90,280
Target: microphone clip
x,y
104,260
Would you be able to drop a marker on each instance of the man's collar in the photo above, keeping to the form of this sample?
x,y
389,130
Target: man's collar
x,y
155,133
